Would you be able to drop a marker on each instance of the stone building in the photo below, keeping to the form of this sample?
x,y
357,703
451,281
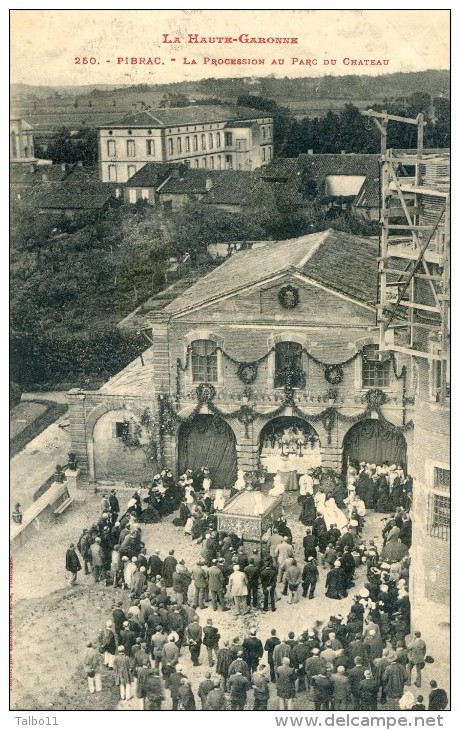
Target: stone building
x,y
211,137
275,350
21,141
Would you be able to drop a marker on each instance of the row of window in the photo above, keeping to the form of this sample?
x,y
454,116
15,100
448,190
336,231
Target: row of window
x,y
288,364
186,144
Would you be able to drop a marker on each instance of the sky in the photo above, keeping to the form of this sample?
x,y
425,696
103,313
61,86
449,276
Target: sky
x,y
45,44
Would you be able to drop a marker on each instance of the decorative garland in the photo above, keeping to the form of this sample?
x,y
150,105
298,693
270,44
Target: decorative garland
x,y
247,371
246,414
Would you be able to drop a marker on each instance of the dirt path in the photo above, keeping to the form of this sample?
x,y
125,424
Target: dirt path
x,y
51,623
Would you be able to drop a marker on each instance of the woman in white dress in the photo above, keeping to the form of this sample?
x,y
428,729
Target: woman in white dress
x,y
333,515
278,487
320,499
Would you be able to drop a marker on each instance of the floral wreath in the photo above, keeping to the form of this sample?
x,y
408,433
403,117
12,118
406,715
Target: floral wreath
x,y
205,392
288,297
247,372
333,374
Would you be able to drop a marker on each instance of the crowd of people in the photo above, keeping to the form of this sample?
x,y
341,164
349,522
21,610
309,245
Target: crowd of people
x,y
362,659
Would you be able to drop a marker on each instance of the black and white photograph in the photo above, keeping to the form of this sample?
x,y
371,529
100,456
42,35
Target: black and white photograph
x,y
230,363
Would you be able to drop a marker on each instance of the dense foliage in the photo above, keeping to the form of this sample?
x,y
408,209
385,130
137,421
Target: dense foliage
x,y
73,280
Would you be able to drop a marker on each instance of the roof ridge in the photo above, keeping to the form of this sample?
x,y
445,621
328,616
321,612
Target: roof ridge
x,y
323,237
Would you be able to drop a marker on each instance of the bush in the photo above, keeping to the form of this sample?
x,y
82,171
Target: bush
x,y
15,394
51,358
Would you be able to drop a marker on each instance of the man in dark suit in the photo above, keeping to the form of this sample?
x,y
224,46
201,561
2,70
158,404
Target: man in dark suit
x,y
72,564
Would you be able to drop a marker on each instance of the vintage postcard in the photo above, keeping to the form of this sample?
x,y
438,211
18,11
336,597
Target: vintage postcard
x,y
230,362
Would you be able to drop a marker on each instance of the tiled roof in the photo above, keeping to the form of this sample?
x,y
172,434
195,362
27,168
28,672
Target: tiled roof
x,y
151,175
222,186
173,117
135,379
75,196
369,195
340,261
230,187
23,174
318,167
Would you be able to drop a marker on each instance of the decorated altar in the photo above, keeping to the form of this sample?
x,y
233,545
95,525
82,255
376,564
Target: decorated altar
x,y
249,515
289,447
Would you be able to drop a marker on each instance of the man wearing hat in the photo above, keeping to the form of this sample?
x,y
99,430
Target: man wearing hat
x,y
92,665
157,642
97,559
83,545
72,564
195,638
416,651
114,505
393,680
122,673
200,582
216,585
107,645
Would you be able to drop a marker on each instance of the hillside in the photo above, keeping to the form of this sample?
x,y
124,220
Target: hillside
x,y
47,108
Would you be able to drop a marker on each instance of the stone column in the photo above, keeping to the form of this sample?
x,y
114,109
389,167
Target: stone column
x,y
78,494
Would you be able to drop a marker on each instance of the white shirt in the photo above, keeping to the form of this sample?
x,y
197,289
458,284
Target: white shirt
x,y
305,484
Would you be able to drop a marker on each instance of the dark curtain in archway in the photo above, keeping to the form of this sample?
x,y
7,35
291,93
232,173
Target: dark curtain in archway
x,y
209,441
374,442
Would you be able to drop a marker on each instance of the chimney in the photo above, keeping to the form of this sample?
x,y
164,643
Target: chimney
x,y
44,177
343,152
309,152
209,183
63,166
79,163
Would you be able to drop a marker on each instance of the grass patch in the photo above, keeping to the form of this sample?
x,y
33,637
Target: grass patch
x,y
43,420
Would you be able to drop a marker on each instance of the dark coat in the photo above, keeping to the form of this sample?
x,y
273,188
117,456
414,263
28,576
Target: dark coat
x,y
211,636
285,681
335,583
252,651
169,566
72,561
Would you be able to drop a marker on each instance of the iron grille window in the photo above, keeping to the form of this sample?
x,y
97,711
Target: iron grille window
x,y
288,365
376,374
442,478
204,361
439,516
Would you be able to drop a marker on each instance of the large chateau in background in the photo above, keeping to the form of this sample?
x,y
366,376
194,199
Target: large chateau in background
x,y
212,137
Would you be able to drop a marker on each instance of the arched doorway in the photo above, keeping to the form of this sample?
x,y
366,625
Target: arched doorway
x,y
291,437
208,441
375,442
